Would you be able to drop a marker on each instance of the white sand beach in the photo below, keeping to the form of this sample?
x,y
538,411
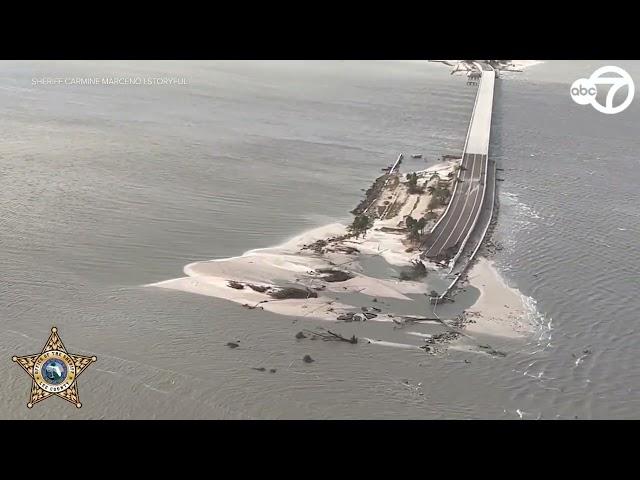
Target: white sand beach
x,y
500,310
291,264
288,264
252,279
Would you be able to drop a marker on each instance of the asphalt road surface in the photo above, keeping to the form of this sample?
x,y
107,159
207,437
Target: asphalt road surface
x,y
464,207
449,234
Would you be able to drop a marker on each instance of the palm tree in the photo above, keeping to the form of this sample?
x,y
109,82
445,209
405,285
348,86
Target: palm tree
x,y
421,224
433,203
360,225
413,226
409,222
442,194
415,231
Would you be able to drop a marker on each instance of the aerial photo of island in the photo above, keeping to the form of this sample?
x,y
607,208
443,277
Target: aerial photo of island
x,y
425,239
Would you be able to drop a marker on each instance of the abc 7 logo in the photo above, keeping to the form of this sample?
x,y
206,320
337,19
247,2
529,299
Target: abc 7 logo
x,y
585,90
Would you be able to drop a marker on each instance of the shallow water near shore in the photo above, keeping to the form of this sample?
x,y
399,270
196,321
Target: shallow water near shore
x,y
376,266
105,189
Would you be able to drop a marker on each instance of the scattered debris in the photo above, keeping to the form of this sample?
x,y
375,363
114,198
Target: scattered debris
x,y
307,359
258,288
251,307
432,343
417,271
437,300
409,319
346,249
334,275
279,293
491,351
273,370
580,358
282,293
460,321
300,335
259,369
443,337
232,345
329,336
317,246
355,317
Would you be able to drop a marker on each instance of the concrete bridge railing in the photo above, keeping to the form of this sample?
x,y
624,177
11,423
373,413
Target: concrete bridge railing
x,y
464,149
484,176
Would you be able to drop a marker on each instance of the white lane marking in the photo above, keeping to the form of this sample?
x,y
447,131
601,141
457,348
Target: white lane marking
x,y
448,220
464,205
475,201
467,186
464,150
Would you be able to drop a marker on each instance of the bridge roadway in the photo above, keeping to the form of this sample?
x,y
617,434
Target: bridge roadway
x,y
454,227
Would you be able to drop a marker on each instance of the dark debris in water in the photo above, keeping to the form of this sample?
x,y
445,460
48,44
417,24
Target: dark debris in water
x,y
491,351
417,271
262,369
